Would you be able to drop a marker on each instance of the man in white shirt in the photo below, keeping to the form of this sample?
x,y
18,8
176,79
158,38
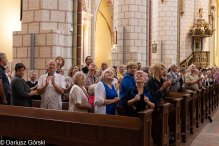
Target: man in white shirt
x,y
50,87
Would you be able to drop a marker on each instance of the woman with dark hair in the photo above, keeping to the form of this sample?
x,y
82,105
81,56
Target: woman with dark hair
x,y
69,81
21,93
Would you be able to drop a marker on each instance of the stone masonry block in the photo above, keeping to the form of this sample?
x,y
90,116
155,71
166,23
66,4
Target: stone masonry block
x,y
63,4
22,52
34,27
26,40
26,62
133,8
45,52
14,52
58,16
48,25
17,40
34,4
49,4
40,39
27,16
39,63
42,15
67,52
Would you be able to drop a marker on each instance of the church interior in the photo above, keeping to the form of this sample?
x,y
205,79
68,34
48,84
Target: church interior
x,y
181,32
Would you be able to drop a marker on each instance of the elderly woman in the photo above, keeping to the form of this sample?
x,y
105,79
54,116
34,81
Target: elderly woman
x,y
79,99
32,83
128,81
157,85
147,69
106,97
69,81
138,97
21,93
121,72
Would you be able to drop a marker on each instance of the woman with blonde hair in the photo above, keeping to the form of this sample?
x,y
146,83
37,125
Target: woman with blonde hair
x,y
106,97
121,72
157,85
128,80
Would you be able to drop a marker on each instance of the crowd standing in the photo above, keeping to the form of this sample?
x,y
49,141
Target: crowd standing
x,y
88,89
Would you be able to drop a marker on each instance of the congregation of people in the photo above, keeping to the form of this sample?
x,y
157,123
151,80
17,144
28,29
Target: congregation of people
x,y
88,89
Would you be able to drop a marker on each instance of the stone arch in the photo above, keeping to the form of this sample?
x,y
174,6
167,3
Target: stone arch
x,y
110,8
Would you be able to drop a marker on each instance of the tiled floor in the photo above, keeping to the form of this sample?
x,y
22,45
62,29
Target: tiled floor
x,y
209,136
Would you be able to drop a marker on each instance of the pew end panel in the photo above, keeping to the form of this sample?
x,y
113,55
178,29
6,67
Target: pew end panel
x,y
160,128
184,113
174,119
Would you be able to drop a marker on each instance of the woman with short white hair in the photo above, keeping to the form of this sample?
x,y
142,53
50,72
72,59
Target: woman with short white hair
x,y
106,97
78,97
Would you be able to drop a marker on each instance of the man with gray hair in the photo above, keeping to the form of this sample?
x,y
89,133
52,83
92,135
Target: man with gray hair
x,y
176,85
4,84
192,81
50,87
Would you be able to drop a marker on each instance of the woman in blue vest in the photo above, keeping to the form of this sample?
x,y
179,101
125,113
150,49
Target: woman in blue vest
x,y
138,97
128,80
106,97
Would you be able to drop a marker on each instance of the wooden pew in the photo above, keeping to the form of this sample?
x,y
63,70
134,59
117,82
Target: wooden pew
x,y
74,128
36,104
184,113
160,128
161,136
198,108
174,119
203,105
192,109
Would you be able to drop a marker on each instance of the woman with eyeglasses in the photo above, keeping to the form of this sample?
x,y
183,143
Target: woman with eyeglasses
x,y
32,83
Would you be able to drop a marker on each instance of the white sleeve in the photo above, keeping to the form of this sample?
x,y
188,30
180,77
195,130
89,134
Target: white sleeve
x,y
75,94
62,80
100,94
40,83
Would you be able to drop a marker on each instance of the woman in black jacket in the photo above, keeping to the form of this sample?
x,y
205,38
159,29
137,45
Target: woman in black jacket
x,y
21,93
158,86
138,97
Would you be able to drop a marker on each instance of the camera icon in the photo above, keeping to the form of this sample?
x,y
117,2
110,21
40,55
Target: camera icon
x,y
2,142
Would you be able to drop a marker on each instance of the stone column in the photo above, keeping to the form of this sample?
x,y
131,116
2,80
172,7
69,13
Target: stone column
x,y
50,20
132,15
187,20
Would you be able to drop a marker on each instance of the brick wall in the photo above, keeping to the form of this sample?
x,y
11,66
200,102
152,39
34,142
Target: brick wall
x,y
50,21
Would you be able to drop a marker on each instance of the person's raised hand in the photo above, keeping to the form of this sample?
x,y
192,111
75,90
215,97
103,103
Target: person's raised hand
x,y
96,81
146,99
119,80
116,99
137,97
47,80
53,79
